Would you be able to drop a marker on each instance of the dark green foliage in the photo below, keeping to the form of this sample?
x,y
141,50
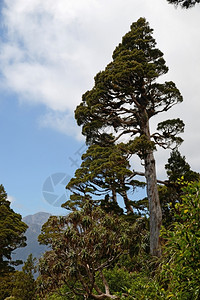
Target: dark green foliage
x,y
184,3
83,244
111,206
119,279
24,287
105,172
169,131
12,231
140,145
102,168
126,95
19,285
143,287
175,276
180,273
177,168
63,293
6,284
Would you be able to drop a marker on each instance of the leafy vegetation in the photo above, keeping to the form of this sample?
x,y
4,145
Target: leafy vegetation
x,y
134,274
84,244
12,231
24,284
170,194
99,250
16,285
180,271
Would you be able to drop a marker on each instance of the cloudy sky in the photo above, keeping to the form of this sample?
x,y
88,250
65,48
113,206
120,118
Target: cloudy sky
x,y
50,52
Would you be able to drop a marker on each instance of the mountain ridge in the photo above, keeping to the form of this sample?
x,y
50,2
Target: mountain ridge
x,y
35,222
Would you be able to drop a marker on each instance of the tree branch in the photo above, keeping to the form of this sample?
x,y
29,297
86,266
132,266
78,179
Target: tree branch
x,y
165,182
107,290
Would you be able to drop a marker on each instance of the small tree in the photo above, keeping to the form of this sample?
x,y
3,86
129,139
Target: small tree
x,y
105,172
12,231
84,244
180,274
177,168
24,283
124,98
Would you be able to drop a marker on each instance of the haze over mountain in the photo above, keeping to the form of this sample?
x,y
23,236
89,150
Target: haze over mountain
x,y
35,223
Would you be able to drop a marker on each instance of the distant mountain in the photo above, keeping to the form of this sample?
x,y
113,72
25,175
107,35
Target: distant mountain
x,y
35,223
39,218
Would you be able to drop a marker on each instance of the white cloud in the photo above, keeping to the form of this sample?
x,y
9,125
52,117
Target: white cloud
x,y
61,122
11,199
53,49
42,60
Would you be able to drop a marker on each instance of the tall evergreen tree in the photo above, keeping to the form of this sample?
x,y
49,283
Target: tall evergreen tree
x,y
12,231
124,98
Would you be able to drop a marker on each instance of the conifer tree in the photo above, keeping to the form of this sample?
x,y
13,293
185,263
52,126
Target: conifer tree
x,y
125,96
178,167
179,173
12,231
24,283
105,173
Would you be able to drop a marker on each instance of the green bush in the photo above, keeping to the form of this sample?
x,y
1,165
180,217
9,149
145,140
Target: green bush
x,y
180,273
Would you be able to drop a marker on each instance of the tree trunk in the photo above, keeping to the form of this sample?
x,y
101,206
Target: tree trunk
x,y
114,195
154,205
107,294
153,198
104,297
126,202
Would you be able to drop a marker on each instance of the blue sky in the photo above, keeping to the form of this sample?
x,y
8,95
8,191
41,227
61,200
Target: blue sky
x,y
30,154
50,52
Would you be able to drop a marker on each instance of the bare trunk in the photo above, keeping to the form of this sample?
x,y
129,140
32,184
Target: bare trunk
x,y
114,195
104,296
154,205
126,202
153,198
107,290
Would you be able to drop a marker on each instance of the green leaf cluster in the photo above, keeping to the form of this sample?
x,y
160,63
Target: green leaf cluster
x,y
12,231
177,168
24,285
180,272
105,173
126,95
19,285
89,242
